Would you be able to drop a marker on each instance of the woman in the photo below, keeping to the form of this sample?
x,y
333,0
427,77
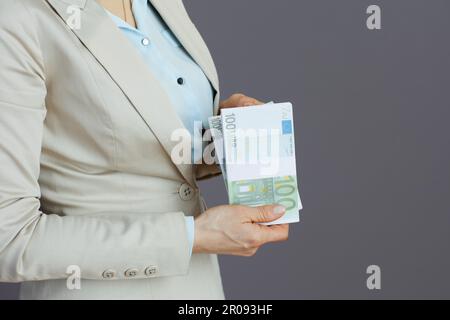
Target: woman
x,y
90,94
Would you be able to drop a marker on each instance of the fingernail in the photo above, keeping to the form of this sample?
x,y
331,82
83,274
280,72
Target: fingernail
x,y
279,210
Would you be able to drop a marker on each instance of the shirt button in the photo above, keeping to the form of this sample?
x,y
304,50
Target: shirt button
x,y
185,192
145,42
180,81
108,274
131,273
151,271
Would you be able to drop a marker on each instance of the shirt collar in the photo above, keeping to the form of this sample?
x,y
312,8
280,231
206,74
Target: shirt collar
x,y
119,22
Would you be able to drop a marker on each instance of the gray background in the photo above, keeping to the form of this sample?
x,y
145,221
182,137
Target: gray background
x,y
372,118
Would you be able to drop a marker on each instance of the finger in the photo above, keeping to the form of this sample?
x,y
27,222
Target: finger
x,y
266,213
251,102
239,100
275,233
232,101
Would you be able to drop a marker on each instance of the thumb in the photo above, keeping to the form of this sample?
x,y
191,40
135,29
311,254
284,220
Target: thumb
x,y
266,213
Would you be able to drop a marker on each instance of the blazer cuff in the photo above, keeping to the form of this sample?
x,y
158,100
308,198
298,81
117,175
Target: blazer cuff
x,y
107,247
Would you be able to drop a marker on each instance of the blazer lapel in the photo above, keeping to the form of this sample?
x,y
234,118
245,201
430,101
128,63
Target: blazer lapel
x,y
111,48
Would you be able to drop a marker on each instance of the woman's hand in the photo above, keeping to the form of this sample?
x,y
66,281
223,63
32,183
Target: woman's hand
x,y
239,100
234,229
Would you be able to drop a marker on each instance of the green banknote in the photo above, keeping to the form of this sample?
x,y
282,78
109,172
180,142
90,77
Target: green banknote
x,y
257,192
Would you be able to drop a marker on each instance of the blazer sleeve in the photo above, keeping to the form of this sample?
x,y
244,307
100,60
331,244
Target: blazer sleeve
x,y
39,246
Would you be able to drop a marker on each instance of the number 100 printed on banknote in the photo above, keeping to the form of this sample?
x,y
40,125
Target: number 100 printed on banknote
x,y
259,157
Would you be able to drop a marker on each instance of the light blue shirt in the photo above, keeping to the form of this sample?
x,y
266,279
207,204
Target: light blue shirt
x,y
184,81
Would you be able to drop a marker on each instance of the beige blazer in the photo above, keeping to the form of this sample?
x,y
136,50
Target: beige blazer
x,y
86,179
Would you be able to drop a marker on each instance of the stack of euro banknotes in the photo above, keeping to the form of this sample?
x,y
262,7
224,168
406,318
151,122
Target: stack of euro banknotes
x,y
256,150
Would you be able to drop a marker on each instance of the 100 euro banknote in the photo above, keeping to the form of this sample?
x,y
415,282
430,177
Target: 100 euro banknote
x,y
258,157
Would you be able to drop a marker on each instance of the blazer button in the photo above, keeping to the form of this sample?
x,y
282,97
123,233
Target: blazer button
x,y
151,271
186,192
108,274
131,273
